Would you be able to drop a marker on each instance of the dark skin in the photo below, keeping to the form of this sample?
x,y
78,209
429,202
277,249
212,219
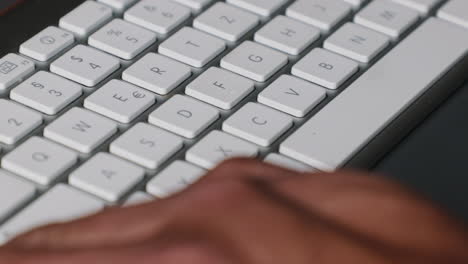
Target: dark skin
x,y
253,213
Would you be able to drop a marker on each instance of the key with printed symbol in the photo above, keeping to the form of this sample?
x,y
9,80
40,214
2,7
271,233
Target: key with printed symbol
x,y
324,14
118,5
254,61
106,176
46,92
195,5
258,123
292,95
122,39
157,73
120,101
184,116
423,6
85,65
47,43
80,129
192,47
14,192
173,179
287,35
86,18
13,68
262,7
325,68
159,16
16,121
146,145
217,147
226,21
39,160
288,163
220,88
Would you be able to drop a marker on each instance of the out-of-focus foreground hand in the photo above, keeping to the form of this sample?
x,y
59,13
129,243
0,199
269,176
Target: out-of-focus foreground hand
x,y
247,212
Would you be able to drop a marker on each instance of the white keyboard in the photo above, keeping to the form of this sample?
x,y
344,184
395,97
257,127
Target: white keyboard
x,y
125,101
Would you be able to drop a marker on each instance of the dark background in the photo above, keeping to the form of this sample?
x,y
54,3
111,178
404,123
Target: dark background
x,y
433,159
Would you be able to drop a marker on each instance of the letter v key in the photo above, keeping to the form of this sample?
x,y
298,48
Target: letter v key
x,y
291,91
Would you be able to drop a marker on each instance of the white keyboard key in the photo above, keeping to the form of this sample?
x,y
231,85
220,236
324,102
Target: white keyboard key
x,y
85,65
254,61
173,179
226,21
47,43
160,16
258,124
292,95
423,6
324,14
217,147
357,42
60,204
261,7
46,92
157,73
138,198
288,163
81,130
195,5
387,17
287,35
455,11
325,68
13,68
192,47
122,39
118,5
184,116
107,176
86,18
147,145
16,121
335,134
14,192
120,101
39,160
220,88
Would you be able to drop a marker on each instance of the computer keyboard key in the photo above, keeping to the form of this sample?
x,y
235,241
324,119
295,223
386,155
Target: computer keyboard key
x,y
292,95
258,123
120,101
160,16
62,203
261,7
184,116
376,98
287,35
195,5
39,160
122,39
288,163
86,18
85,65
325,68
46,92
423,6
118,5
80,129
14,192
357,42
226,21
218,146
254,61
47,43
16,121
323,14
138,198
107,176
13,68
176,177
387,17
192,47
157,73
220,88
455,11
147,145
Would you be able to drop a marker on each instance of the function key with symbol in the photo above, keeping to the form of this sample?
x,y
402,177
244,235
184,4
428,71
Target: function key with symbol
x,y
13,68
118,5
16,121
85,65
86,18
47,43
14,192
261,7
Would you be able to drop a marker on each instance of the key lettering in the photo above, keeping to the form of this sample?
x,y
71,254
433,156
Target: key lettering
x,y
13,121
77,59
82,127
40,157
56,93
132,39
288,32
326,66
388,15
227,19
219,85
258,121
358,39
120,98
167,15
291,91
138,95
157,70
108,174
148,143
94,66
255,58
185,113
37,85
192,44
